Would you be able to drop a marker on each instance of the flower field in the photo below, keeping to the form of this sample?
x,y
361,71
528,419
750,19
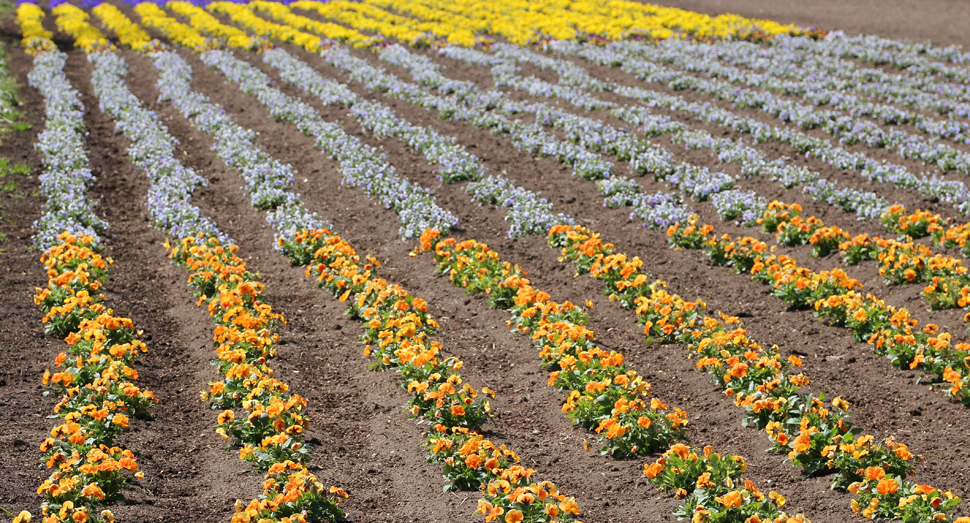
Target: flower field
x,y
548,261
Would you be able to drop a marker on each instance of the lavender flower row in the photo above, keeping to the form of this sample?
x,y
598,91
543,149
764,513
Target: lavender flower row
x,y
530,215
476,109
658,210
455,163
849,130
591,134
740,204
911,59
814,89
67,171
954,192
360,164
752,161
653,159
788,58
152,152
267,180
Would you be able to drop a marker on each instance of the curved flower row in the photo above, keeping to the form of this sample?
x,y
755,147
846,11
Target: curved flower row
x,y
397,323
399,335
454,161
795,58
599,136
270,433
360,164
812,435
810,89
846,129
603,395
954,192
900,262
524,23
95,376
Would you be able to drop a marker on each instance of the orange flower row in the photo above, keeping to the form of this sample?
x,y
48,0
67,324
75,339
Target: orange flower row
x,y
901,262
94,382
816,437
602,393
399,335
891,332
682,470
269,432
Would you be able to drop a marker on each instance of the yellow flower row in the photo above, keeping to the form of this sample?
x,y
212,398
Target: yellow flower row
x,y
368,18
283,14
129,33
206,23
527,21
154,16
244,16
522,22
30,19
74,21
432,14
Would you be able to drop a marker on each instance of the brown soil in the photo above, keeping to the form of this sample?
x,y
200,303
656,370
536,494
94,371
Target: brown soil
x,y
363,442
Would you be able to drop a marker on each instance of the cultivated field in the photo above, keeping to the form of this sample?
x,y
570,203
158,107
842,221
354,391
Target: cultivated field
x,y
486,260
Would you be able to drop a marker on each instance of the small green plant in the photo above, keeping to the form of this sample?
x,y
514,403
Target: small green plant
x,y
20,169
